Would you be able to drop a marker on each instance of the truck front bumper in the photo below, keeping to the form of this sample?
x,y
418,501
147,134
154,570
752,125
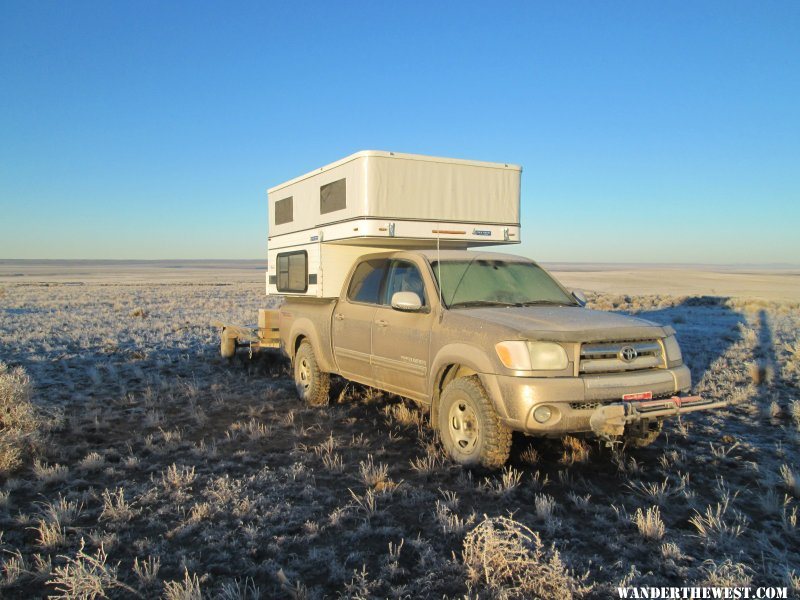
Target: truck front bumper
x,y
611,419
591,403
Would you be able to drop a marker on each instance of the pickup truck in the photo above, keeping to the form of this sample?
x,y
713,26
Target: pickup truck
x,y
489,344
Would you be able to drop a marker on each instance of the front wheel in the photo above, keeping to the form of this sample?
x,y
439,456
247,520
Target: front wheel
x,y
311,382
470,429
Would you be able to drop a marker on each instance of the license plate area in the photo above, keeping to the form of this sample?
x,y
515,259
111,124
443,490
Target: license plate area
x,y
638,396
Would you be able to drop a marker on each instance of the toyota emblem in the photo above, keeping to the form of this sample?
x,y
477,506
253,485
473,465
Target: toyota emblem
x,y
628,353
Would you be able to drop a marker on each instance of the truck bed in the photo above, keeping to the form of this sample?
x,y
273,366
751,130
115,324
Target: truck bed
x,y
309,317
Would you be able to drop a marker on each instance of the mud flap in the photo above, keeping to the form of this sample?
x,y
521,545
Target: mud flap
x,y
608,420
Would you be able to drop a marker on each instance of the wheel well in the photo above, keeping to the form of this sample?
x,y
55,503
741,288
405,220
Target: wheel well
x,y
297,343
447,374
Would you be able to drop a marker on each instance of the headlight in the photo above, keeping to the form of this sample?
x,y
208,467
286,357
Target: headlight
x,y
674,356
547,356
532,356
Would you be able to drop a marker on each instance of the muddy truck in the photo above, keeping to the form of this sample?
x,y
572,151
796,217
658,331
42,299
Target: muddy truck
x,y
486,343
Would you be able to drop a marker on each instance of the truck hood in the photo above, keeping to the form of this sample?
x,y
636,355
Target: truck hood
x,y
566,323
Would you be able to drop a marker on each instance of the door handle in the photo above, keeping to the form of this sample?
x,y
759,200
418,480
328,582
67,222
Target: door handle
x,y
381,323
339,317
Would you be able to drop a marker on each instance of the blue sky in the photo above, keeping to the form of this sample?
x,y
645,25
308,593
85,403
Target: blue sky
x,y
666,132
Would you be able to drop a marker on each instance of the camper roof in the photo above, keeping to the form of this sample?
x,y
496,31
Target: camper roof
x,y
399,155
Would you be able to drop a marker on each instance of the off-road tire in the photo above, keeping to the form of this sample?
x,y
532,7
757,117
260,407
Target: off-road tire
x,y
227,346
638,441
311,383
470,429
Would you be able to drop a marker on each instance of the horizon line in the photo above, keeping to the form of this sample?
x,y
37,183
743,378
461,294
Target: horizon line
x,y
562,262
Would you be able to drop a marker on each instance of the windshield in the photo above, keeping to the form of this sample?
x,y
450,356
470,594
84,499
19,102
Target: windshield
x,y
497,282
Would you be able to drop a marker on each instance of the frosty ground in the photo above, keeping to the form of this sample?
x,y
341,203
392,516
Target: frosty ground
x,y
164,470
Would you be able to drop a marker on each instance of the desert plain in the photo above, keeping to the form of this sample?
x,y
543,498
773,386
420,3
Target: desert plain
x,y
142,464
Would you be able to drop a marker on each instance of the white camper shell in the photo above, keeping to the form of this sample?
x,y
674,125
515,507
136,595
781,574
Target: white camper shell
x,y
372,201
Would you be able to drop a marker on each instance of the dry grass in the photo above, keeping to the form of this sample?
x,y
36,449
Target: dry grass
x,y
50,473
187,589
50,534
405,415
576,450
671,551
449,521
14,568
176,478
373,475
794,409
728,574
649,523
147,571
545,506
243,590
116,507
86,576
656,492
504,484
790,480
196,475
510,560
19,422
62,510
428,463
714,527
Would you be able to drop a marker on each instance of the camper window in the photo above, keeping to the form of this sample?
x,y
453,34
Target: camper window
x,y
283,211
333,196
293,271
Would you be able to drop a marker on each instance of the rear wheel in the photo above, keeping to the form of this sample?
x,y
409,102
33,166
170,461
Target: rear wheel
x,y
311,382
470,429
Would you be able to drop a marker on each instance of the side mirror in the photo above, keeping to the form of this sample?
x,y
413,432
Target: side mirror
x,y
579,296
406,301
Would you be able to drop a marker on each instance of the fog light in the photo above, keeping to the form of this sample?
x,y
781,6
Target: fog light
x,y
542,414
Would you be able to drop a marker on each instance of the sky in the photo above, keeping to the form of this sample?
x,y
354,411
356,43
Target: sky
x,y
648,131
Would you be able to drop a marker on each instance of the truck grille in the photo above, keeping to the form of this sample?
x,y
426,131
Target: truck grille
x,y
617,357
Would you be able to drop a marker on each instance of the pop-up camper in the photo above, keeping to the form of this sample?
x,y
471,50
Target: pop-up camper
x,y
321,222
